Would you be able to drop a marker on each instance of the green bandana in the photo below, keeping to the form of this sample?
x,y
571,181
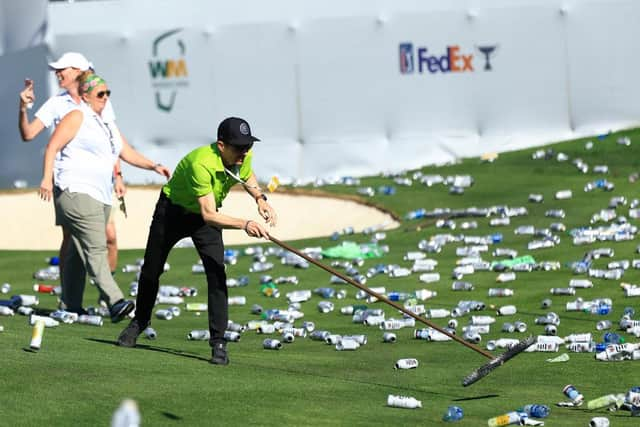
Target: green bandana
x,y
92,81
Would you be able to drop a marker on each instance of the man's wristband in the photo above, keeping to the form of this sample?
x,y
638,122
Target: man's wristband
x,y
261,196
246,226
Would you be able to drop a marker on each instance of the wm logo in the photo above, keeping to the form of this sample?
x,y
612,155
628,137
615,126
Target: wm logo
x,y
168,75
169,68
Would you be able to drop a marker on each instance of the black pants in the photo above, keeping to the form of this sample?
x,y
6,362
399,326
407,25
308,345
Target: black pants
x,y
170,224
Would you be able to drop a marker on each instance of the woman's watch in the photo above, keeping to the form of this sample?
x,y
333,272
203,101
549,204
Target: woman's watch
x,y
261,196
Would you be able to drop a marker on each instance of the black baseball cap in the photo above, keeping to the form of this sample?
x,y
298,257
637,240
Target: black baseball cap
x,y
235,131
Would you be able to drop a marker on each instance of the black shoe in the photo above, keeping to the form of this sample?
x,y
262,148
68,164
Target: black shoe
x,y
219,354
119,310
130,334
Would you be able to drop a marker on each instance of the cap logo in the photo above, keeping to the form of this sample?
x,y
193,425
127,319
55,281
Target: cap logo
x,y
244,128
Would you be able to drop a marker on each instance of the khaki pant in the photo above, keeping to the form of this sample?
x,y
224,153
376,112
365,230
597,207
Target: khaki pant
x,y
85,218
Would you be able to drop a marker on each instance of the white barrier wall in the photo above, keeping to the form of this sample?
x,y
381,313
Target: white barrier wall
x,y
357,87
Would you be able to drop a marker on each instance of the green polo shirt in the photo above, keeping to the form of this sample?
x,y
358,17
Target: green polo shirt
x,y
201,172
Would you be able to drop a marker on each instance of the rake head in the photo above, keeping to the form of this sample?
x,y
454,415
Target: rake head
x,y
485,369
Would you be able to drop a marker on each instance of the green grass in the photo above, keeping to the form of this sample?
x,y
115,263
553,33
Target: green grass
x,y
79,376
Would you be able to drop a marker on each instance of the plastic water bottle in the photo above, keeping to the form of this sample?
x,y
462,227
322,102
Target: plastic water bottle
x,y
403,402
416,214
454,413
398,296
606,401
612,338
536,411
127,415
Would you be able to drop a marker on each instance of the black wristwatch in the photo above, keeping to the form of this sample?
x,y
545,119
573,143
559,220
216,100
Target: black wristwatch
x,y
261,196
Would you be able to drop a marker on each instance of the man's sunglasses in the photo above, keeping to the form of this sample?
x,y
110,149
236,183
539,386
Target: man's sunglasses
x,y
102,93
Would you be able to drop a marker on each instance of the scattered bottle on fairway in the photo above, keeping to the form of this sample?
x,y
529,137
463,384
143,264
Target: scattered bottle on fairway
x,y
199,335
599,422
536,411
127,415
150,333
389,337
36,335
454,413
406,364
572,393
606,401
271,344
407,402
612,338
507,419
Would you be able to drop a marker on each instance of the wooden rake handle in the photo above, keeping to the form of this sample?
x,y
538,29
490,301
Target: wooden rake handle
x,y
381,298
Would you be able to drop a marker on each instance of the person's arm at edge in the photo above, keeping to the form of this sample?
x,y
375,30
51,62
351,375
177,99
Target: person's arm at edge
x,y
135,158
64,133
212,217
118,182
28,131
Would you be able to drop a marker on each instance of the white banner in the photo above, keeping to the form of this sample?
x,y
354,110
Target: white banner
x,y
355,88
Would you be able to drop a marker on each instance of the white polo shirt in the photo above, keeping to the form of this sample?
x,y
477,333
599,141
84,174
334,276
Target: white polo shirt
x,y
85,164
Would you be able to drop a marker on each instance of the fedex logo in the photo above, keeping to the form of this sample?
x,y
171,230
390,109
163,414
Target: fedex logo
x,y
452,61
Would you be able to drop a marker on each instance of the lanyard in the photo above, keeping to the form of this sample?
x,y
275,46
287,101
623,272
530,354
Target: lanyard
x,y
107,131
240,180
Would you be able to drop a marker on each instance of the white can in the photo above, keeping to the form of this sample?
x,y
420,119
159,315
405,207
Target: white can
x,y
599,422
333,339
472,337
266,329
237,300
36,335
325,306
406,364
164,314
6,311
90,320
360,339
271,344
199,335
347,344
231,336
429,277
520,326
507,310
163,299
29,300
288,337
563,195
150,333
389,337
603,325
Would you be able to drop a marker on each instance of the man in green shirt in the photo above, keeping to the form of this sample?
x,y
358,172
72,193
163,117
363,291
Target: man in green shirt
x,y
188,206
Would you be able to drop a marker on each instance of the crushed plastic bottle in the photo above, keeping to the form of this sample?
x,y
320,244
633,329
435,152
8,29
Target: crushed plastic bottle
x,y
454,413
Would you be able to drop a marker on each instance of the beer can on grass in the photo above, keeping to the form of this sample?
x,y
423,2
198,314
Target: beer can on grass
x,y
36,335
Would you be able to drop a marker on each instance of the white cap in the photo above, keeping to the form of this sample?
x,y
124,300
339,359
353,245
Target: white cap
x,y
73,60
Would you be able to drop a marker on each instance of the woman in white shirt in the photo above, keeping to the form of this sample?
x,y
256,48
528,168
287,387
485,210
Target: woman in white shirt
x,y
68,69
80,182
